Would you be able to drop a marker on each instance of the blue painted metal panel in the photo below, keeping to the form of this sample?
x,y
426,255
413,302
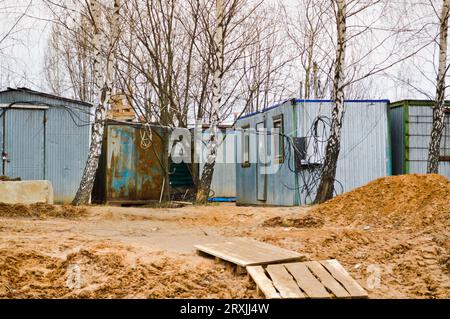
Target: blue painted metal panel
x,y
24,143
222,199
67,146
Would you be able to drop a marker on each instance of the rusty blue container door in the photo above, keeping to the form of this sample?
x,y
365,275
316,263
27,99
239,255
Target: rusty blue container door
x,y
149,173
24,143
133,172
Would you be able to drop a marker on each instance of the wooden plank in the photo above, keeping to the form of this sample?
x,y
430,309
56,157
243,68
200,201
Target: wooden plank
x,y
259,276
327,280
341,275
249,252
306,281
223,252
284,282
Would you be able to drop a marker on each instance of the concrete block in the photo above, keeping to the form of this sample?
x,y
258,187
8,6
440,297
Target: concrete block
x,y
26,192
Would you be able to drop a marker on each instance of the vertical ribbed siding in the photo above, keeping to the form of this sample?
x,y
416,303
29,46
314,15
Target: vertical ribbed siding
x,y
223,184
66,141
67,146
24,143
365,144
365,150
420,126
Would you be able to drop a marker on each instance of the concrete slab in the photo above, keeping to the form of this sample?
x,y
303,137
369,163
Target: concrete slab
x,y
26,192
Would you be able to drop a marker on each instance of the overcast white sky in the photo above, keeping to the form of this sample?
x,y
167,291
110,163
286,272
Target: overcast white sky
x,y
21,60
22,56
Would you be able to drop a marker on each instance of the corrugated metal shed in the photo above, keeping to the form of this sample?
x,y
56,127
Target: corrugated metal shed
x,y
44,137
365,151
411,124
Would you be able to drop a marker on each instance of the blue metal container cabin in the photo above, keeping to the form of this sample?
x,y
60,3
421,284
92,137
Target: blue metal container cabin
x,y
223,184
411,124
365,150
130,168
44,137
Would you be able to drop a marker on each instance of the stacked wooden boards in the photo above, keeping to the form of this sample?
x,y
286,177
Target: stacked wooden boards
x,y
279,273
313,279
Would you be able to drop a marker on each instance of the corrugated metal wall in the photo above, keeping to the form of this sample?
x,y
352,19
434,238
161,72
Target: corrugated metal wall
x,y
67,146
419,135
365,145
25,144
54,149
223,184
365,149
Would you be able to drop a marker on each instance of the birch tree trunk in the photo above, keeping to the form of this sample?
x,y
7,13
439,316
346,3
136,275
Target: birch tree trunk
x,y
326,186
439,103
103,69
204,186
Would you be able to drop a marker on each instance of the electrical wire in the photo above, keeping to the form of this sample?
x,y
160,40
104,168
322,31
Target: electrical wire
x,y
310,170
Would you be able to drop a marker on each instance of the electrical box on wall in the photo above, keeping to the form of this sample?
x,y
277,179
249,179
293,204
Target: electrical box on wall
x,y
309,151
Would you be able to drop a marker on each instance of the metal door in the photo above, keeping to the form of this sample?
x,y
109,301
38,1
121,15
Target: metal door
x,y
121,163
261,165
24,136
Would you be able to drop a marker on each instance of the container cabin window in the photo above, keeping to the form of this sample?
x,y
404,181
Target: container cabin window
x,y
246,146
445,143
278,127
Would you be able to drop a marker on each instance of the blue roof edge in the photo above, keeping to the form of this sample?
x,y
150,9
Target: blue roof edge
x,y
311,101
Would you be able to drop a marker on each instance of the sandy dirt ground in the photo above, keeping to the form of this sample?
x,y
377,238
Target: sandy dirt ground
x,y
113,252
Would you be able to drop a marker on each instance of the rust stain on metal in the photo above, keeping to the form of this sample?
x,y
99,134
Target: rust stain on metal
x,y
133,172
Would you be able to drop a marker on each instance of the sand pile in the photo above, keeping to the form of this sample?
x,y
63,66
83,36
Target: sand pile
x,y
41,211
394,232
413,201
85,274
308,221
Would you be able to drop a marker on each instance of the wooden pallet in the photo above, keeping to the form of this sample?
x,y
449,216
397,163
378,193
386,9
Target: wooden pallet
x,y
314,279
247,252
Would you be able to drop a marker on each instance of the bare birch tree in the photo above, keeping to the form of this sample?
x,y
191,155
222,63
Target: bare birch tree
x,y
217,69
326,186
104,62
439,103
376,43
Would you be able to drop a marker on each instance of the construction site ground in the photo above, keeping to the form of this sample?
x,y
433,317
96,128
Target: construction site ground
x,y
148,252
